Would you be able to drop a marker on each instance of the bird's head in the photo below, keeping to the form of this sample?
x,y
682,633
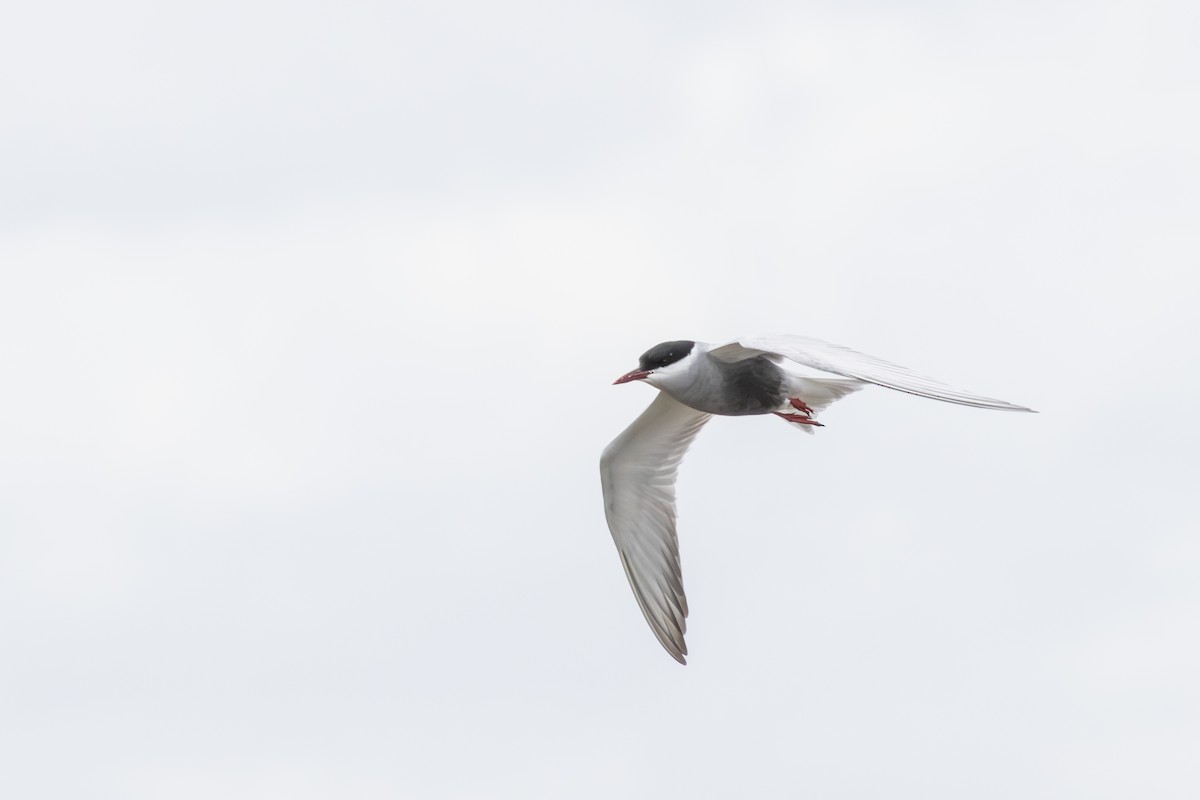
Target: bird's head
x,y
661,362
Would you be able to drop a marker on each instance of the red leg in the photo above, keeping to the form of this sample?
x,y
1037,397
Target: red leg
x,y
800,405
801,418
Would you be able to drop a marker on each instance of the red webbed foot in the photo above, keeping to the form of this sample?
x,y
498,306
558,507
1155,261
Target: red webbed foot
x,y
801,406
801,418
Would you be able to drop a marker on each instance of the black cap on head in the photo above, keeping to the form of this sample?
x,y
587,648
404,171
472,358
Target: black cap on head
x,y
665,354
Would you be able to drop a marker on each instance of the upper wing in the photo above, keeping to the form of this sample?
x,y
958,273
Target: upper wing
x,y
852,364
637,472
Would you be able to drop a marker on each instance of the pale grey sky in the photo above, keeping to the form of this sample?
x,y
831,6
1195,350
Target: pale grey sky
x,y
309,314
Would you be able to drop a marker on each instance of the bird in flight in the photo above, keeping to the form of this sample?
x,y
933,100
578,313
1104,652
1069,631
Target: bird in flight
x,y
792,377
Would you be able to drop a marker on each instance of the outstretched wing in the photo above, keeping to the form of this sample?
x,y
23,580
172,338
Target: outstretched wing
x,y
840,360
637,472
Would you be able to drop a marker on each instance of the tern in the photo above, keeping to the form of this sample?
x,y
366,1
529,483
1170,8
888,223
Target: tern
x,y
792,377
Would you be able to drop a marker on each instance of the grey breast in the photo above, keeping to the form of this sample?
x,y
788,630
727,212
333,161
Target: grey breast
x,y
752,386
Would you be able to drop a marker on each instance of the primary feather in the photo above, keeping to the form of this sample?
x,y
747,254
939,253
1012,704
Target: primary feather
x,y
849,363
637,472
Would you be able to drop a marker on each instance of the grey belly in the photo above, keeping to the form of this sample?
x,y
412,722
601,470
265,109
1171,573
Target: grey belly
x,y
753,386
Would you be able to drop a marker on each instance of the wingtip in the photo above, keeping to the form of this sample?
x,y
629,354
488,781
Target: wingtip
x,y
676,649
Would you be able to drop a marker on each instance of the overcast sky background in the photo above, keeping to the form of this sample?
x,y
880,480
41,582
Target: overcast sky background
x,y
308,318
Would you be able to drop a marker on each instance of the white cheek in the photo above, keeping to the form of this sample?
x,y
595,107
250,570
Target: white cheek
x,y
669,376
